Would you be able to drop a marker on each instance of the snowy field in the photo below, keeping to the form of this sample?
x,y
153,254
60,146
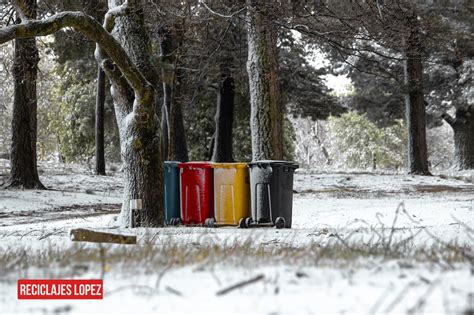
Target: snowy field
x,y
360,243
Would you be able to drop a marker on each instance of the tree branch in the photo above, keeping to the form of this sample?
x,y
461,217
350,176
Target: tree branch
x,y
203,2
103,59
90,28
112,14
20,9
450,120
121,88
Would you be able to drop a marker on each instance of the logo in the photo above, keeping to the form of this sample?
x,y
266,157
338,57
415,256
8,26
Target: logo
x,y
60,289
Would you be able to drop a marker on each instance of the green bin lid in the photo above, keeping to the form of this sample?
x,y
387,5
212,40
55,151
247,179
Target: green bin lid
x,y
172,162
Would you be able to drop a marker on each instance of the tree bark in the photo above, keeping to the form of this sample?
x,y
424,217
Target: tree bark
x,y
463,127
166,51
266,117
319,140
24,172
124,56
138,121
173,127
414,100
222,148
177,149
99,124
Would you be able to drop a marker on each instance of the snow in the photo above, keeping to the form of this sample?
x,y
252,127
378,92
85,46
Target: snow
x,y
67,188
361,209
314,291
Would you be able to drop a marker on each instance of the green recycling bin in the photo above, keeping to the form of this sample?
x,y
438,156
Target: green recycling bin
x,y
171,193
271,191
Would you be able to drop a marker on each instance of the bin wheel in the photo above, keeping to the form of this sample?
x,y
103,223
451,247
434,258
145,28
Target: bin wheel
x,y
280,222
177,221
210,222
171,222
242,224
248,222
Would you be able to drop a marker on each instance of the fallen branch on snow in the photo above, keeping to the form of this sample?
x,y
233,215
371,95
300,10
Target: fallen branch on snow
x,y
240,285
85,235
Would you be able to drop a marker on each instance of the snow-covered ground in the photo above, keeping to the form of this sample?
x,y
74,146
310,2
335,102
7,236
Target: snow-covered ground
x,y
360,243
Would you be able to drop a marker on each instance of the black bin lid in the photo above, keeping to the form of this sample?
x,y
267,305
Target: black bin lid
x,y
274,162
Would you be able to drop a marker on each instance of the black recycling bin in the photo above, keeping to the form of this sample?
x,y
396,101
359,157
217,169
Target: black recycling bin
x,y
271,190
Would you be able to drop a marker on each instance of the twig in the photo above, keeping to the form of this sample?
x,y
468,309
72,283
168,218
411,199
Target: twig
x,y
392,230
240,285
54,232
19,8
464,225
213,274
469,256
21,237
161,275
415,309
173,291
380,10
398,298
220,14
406,240
375,307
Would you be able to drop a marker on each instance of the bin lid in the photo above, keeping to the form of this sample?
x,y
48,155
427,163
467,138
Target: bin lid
x,y
274,162
229,165
199,164
172,163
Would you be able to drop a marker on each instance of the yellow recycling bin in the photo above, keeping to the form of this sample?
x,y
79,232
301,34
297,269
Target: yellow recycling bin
x,y
231,193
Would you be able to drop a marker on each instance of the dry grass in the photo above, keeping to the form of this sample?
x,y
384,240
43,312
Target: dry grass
x,y
150,257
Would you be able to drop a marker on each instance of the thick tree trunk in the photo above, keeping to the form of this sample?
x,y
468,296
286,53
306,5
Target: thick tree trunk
x,y
222,148
463,127
99,124
173,128
24,172
266,118
415,105
138,123
178,149
124,56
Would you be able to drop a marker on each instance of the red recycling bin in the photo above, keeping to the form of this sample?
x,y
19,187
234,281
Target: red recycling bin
x,y
196,192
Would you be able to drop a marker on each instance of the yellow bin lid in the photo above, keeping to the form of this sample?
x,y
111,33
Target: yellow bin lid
x,y
229,165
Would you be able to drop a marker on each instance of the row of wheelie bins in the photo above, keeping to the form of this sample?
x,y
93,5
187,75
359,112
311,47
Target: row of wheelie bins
x,y
255,194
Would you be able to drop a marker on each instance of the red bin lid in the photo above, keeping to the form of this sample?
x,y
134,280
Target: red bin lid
x,y
198,164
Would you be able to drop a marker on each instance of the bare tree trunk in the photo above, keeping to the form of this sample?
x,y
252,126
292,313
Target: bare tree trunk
x,y
222,149
463,127
166,51
173,126
415,104
99,124
24,172
123,52
138,122
178,149
319,140
266,118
